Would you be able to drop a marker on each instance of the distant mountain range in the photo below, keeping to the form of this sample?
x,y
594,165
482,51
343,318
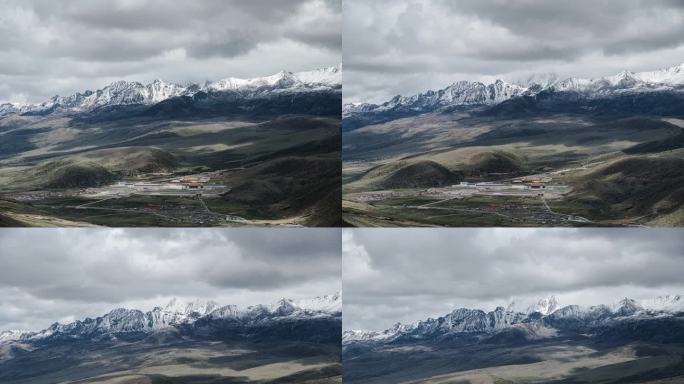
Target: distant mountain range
x,y
535,90
545,319
189,318
126,93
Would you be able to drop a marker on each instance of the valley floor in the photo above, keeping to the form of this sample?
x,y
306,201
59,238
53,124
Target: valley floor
x,y
455,171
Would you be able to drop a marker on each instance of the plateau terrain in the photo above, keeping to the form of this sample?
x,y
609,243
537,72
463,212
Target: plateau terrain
x,y
605,151
290,341
632,341
233,152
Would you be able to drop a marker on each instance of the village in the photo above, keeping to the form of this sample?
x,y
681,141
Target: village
x,y
535,185
194,186
180,186
517,200
539,186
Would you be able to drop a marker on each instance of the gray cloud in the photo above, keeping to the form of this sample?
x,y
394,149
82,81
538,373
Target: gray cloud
x,y
388,42
49,47
411,274
54,274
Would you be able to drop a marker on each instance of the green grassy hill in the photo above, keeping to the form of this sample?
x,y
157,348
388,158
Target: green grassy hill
x,y
91,169
421,174
286,187
633,187
68,174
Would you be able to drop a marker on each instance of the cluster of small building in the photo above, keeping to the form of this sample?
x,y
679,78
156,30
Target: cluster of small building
x,y
521,183
533,182
188,183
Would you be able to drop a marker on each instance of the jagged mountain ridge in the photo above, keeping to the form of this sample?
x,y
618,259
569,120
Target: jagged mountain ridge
x,y
176,313
459,93
542,318
466,93
123,92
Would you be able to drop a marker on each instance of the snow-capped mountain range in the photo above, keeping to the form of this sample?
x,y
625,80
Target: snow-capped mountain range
x,y
131,93
477,93
540,317
176,313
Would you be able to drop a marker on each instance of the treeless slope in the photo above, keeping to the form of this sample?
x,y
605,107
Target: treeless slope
x,y
422,174
6,221
486,162
634,186
68,174
130,161
92,169
291,186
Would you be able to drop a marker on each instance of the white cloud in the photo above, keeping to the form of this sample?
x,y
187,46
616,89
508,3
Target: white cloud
x,y
53,274
420,273
50,48
409,46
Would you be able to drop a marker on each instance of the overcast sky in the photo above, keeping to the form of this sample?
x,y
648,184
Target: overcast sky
x,y
406,275
408,46
49,275
61,47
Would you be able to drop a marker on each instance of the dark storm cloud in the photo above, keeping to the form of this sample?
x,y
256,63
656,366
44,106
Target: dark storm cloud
x,y
78,272
445,41
175,40
392,275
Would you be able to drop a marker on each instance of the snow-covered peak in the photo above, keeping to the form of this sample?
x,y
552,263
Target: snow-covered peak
x,y
174,306
158,90
545,306
458,93
328,303
478,93
234,83
668,303
546,311
624,81
670,76
349,109
14,108
359,335
543,79
283,307
326,77
626,307
177,312
387,335
330,76
11,335
122,92
661,305
200,307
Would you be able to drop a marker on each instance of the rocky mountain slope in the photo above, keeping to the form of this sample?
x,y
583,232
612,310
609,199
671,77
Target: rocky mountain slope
x,y
177,314
122,92
469,94
546,318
